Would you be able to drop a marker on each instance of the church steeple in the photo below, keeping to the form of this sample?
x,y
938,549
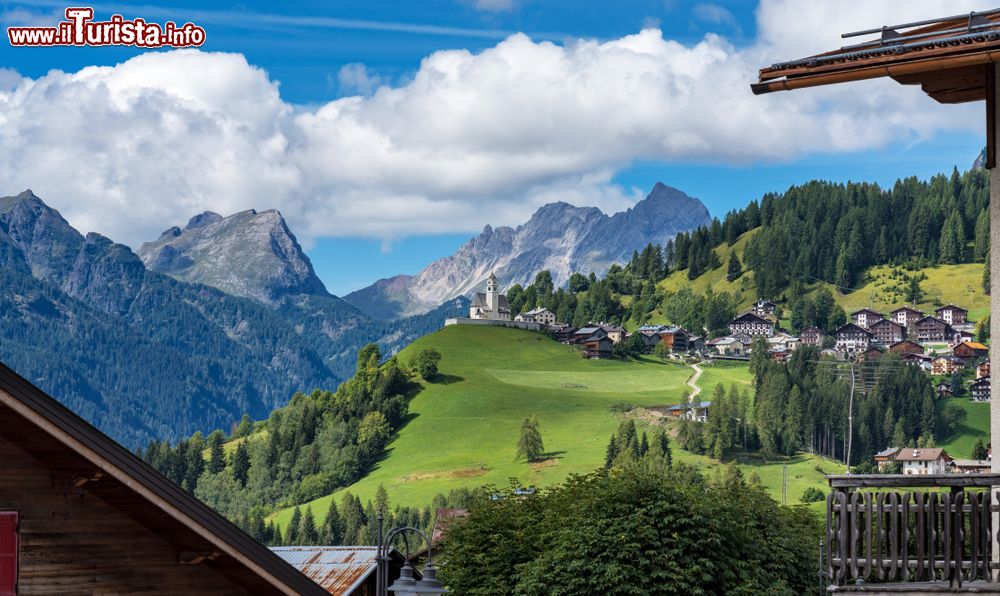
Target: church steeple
x,y
491,283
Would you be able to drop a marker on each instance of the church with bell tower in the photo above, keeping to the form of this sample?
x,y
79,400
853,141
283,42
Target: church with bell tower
x,y
490,305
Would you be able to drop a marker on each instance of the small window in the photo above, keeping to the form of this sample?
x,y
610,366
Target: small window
x,y
8,553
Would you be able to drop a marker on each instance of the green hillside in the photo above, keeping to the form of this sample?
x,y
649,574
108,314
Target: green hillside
x,y
976,427
465,425
882,290
958,284
743,288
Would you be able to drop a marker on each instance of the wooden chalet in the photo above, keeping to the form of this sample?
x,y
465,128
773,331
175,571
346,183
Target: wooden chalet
x,y
871,354
932,329
764,308
906,347
980,389
563,333
675,338
812,336
885,332
906,316
598,347
970,350
866,317
953,315
953,59
852,338
80,514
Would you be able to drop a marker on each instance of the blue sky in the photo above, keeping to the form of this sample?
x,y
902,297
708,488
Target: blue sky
x,y
304,47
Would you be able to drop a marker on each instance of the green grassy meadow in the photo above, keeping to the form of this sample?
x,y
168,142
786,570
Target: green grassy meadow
x,y
977,426
465,424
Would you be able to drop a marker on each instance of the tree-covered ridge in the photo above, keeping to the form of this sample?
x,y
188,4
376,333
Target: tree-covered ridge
x,y
834,232
309,448
816,232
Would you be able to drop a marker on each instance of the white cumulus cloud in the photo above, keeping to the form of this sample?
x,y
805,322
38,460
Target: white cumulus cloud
x,y
469,139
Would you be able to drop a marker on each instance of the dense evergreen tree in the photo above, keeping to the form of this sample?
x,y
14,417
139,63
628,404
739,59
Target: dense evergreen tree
x,y
530,446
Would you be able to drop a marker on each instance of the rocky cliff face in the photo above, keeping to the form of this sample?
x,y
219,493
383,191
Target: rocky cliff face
x,y
559,237
247,254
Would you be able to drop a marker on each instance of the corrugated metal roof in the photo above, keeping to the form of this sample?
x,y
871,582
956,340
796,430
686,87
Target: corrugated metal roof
x,y
337,569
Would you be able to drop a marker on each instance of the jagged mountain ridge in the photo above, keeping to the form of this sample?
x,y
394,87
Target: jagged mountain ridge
x,y
247,254
135,352
255,255
559,237
143,355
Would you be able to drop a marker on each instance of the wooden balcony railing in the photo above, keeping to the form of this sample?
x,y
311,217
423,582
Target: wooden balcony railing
x,y
935,528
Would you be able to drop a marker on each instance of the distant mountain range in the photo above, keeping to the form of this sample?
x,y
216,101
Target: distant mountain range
x,y
559,237
223,317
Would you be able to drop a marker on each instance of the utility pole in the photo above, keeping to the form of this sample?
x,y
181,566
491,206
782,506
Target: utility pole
x,y
784,484
850,421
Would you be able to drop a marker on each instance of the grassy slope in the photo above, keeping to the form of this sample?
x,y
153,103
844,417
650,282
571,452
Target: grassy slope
x,y
465,428
743,288
977,426
959,284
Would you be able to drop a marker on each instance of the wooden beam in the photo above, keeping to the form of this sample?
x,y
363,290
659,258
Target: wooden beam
x,y
923,78
75,478
991,116
959,95
186,557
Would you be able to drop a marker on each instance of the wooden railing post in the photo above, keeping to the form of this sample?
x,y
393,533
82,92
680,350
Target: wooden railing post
x,y
923,536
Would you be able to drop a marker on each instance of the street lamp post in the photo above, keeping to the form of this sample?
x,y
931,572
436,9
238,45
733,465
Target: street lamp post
x,y
406,585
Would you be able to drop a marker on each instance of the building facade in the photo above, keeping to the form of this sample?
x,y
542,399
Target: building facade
x,y
932,329
812,336
953,315
752,325
538,315
490,305
886,332
906,316
865,317
852,339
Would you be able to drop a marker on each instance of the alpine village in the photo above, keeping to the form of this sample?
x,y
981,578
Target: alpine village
x,y
793,398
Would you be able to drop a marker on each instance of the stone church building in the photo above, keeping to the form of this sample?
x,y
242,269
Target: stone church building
x,y
490,305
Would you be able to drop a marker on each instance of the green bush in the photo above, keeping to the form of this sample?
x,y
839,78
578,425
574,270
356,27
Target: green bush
x,y
812,495
635,530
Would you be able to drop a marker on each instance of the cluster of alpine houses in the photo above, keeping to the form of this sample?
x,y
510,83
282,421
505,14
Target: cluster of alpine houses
x,y
942,344
758,321
595,340
928,460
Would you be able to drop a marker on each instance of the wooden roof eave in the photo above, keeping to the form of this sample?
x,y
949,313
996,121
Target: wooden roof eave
x,y
907,71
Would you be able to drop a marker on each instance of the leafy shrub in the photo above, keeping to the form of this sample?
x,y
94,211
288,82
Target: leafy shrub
x,y
635,530
812,495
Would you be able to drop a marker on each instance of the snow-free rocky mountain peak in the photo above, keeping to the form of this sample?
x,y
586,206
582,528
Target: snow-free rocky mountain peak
x,y
248,254
559,237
